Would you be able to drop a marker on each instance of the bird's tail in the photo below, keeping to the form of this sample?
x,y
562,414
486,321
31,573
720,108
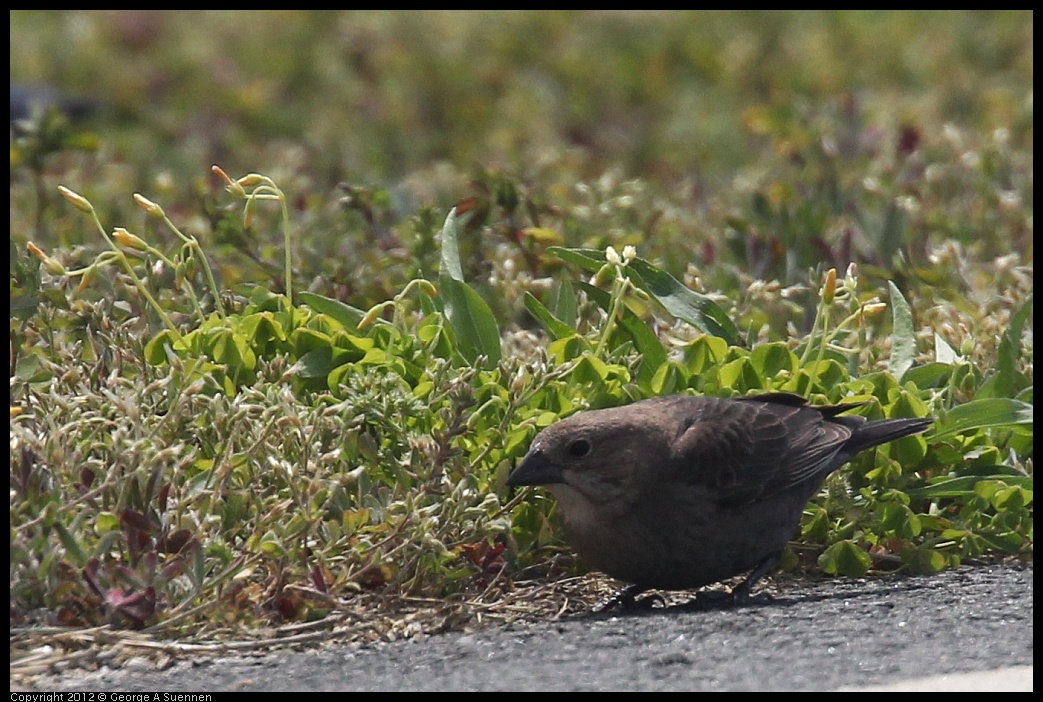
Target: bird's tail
x,y
872,434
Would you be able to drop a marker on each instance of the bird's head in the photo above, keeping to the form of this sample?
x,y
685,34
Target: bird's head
x,y
603,457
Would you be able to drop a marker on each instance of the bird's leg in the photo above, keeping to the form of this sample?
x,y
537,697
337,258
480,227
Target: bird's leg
x,y
739,595
626,599
741,592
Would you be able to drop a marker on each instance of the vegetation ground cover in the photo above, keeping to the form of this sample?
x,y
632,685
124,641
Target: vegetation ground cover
x,y
280,398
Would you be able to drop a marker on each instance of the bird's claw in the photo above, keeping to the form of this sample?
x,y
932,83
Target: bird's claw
x,y
705,600
626,599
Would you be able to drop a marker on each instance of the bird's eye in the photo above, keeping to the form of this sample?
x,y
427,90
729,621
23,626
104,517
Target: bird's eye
x,y
579,448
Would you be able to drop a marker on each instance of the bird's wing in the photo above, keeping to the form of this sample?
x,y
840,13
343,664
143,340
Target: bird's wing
x,y
745,450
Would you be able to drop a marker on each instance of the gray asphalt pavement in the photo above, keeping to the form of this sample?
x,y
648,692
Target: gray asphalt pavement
x,y
969,629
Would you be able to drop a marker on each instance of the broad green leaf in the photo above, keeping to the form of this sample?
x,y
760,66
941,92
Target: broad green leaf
x,y
156,348
72,546
305,340
929,375
704,353
352,344
891,231
698,310
261,328
590,260
1009,542
556,328
590,369
924,560
669,378
845,558
316,363
471,320
645,341
564,302
899,519
771,359
980,414
1002,383
903,336
740,375
343,313
232,349
943,353
451,266
30,368
469,316
568,348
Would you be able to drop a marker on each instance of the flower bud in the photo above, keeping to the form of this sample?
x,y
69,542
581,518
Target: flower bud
x,y
131,241
150,207
232,186
51,265
76,200
871,309
250,179
829,288
371,316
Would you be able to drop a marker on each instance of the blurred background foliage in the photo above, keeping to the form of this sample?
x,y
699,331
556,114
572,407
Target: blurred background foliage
x,y
378,94
770,142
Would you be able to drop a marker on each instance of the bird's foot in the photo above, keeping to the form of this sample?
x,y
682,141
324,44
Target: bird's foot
x,y
626,599
706,600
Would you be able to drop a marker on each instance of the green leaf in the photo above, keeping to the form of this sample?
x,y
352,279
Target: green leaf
x,y
671,377
72,546
306,340
698,310
568,348
471,320
155,351
899,519
564,302
1002,383
924,560
929,375
903,336
980,414
773,359
261,328
1010,542
316,363
469,316
232,349
451,266
943,353
590,260
556,328
704,353
845,558
891,232
645,341
740,375
343,313
30,368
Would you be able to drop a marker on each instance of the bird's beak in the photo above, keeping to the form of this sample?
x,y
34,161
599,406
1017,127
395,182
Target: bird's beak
x,y
535,469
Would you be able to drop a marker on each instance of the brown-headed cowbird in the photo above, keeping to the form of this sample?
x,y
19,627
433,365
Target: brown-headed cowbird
x,y
681,492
